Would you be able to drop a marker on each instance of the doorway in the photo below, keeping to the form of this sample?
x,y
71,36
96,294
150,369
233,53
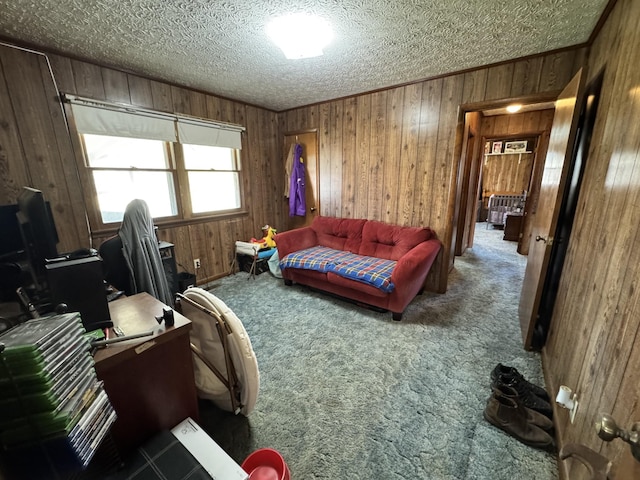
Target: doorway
x,y
492,168
559,132
556,176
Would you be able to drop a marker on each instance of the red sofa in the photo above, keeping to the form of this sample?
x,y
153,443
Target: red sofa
x,y
412,249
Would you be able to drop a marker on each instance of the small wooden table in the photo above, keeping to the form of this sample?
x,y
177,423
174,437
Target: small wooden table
x,y
149,380
512,226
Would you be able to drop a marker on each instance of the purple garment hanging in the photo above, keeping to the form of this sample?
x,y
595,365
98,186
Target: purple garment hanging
x,y
297,190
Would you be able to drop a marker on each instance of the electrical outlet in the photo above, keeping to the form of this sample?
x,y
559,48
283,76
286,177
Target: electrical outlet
x,y
196,263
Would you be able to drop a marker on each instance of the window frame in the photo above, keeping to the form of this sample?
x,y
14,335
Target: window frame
x,y
176,166
86,184
183,176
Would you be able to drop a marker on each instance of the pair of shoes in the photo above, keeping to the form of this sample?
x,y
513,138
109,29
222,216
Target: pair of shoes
x,y
508,414
511,375
534,417
525,390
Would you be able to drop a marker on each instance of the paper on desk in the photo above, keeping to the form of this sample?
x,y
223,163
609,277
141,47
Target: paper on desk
x,y
213,459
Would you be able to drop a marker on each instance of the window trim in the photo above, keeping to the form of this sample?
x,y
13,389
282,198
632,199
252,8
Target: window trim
x,y
94,204
183,172
176,162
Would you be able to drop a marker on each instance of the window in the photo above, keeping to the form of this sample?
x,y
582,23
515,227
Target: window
x,y
182,167
126,168
214,178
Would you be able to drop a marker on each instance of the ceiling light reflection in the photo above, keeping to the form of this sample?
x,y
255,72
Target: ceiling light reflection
x,y
300,35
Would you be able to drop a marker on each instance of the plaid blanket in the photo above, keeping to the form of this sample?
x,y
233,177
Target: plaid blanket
x,y
370,270
321,259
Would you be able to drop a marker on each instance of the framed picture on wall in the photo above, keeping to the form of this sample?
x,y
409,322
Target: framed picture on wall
x,y
497,147
515,147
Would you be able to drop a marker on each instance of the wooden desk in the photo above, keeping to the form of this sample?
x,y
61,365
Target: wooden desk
x,y
149,380
512,226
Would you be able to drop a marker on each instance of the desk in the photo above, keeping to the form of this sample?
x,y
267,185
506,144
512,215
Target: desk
x,y
149,380
512,226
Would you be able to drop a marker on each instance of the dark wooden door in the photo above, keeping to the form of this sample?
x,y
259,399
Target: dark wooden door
x,y
547,211
577,164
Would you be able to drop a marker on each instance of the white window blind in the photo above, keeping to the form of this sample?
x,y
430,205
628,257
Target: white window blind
x,y
102,121
101,118
200,133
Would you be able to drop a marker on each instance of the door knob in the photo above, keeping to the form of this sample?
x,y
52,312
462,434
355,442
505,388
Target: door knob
x,y
608,430
541,239
313,209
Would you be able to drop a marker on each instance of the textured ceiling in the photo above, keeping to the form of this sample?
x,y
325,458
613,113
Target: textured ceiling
x,y
220,46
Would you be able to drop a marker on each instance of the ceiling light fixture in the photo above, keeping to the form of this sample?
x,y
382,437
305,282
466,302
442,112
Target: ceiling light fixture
x,y
300,35
514,108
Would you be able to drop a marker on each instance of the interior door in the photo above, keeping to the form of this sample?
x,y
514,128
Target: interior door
x,y
546,212
577,164
309,142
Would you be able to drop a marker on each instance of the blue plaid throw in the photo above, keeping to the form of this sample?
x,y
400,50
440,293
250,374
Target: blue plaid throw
x,y
370,270
316,258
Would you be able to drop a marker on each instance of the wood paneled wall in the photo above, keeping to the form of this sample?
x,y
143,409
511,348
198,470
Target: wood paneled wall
x,y
35,149
593,344
392,155
387,155
506,173
517,124
512,172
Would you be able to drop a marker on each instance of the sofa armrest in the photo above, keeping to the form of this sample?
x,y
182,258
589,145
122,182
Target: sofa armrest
x,y
412,269
294,240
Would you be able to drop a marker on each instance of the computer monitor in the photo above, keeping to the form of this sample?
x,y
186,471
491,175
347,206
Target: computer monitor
x,y
10,239
38,232
12,254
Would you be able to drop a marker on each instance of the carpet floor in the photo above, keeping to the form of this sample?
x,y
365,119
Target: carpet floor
x,y
347,393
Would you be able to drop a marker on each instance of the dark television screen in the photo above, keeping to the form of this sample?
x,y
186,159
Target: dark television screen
x,y
38,230
10,237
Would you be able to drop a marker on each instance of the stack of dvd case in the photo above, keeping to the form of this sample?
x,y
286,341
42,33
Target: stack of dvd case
x,y
51,402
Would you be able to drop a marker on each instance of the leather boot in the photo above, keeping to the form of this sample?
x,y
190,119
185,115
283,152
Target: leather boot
x,y
527,397
534,417
512,375
503,412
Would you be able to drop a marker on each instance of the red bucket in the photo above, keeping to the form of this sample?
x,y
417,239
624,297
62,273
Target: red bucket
x,y
266,464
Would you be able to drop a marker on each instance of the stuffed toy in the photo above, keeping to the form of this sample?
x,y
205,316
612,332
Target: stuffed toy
x,y
268,240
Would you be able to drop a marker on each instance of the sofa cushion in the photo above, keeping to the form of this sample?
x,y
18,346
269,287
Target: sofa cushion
x,y
339,233
382,240
369,270
320,259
